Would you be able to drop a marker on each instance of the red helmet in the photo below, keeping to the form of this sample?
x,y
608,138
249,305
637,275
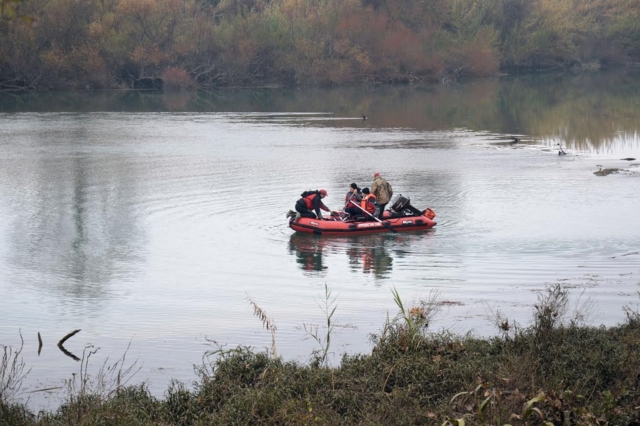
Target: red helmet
x,y
324,192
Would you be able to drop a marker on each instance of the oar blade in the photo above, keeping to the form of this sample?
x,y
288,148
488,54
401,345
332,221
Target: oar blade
x,y
385,224
388,226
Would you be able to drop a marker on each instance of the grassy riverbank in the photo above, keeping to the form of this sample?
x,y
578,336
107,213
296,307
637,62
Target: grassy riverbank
x,y
555,370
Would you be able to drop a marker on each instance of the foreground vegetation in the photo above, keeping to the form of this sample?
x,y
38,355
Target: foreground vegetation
x,y
553,371
204,43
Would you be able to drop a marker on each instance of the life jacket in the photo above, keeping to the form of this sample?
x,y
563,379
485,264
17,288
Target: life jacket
x,y
308,199
365,204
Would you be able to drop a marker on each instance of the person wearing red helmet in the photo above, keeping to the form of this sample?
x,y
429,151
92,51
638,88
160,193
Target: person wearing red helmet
x,y
312,200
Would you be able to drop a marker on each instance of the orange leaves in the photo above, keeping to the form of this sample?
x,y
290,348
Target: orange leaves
x,y
148,55
401,41
294,9
176,78
246,49
96,31
81,62
313,41
479,55
88,60
482,61
362,24
55,59
358,58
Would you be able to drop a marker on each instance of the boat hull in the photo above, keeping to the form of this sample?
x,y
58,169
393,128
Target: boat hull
x,y
334,226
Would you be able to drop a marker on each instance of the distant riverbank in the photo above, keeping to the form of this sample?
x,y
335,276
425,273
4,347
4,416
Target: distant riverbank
x,y
49,44
556,370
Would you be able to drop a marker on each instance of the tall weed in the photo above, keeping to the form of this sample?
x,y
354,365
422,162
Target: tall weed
x,y
12,371
328,306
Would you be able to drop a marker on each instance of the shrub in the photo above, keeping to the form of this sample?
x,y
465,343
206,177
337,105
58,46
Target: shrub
x,y
176,79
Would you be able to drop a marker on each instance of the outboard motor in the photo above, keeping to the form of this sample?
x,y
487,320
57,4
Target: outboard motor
x,y
399,203
401,207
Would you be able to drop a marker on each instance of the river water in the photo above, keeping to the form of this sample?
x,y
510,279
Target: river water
x,y
150,221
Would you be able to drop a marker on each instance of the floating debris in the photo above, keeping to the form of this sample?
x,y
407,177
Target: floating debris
x,y
69,354
605,172
62,348
64,339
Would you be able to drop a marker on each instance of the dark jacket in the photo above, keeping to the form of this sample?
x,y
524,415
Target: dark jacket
x,y
356,198
314,202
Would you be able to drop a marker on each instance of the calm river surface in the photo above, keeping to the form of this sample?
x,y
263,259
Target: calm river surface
x,y
150,219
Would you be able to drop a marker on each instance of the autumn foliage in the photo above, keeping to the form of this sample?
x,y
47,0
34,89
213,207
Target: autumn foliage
x,y
176,79
52,44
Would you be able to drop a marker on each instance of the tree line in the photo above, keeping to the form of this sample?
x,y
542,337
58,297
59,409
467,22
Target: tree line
x,y
97,44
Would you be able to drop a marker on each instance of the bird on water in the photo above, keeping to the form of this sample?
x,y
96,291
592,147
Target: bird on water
x,y
561,151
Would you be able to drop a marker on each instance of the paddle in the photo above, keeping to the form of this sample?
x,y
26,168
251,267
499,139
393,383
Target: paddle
x,y
385,224
349,200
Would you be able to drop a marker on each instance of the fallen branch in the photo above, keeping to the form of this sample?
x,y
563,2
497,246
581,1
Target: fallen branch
x,y
65,338
67,353
39,343
45,389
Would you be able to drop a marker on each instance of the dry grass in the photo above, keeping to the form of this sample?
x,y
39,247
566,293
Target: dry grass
x,y
12,371
267,323
553,371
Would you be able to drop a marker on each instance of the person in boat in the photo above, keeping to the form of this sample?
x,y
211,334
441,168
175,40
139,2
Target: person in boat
x,y
383,192
310,201
369,204
353,196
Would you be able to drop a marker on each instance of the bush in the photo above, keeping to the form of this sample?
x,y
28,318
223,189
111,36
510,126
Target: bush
x,y
176,79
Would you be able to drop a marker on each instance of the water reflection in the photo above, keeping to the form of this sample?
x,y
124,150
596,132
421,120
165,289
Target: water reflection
x,y
121,218
177,101
586,112
73,225
366,254
308,250
369,255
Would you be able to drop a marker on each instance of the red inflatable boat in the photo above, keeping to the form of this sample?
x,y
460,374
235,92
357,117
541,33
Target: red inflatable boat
x,y
400,217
